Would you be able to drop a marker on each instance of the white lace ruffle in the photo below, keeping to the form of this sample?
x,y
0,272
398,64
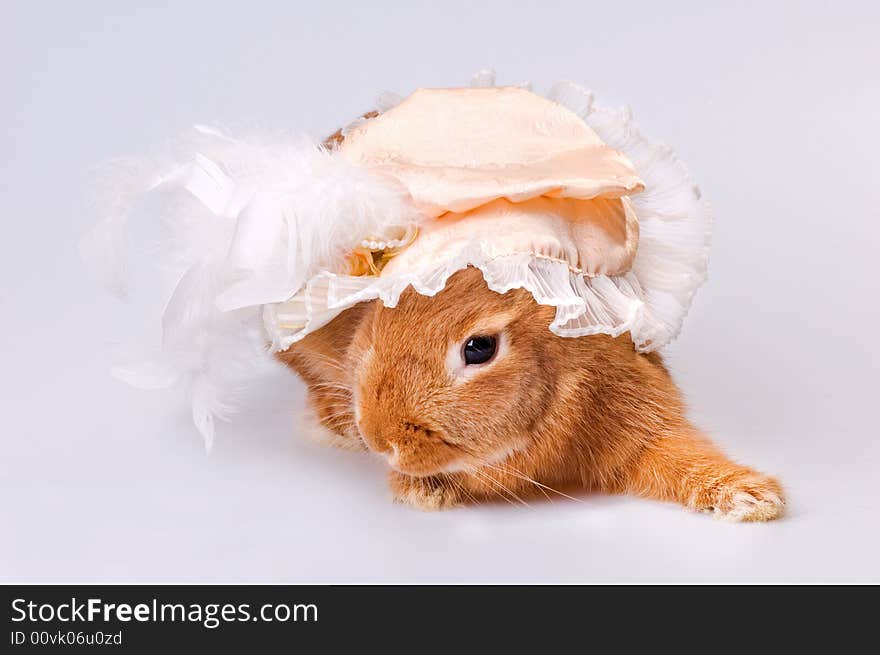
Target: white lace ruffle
x,y
602,304
675,227
650,301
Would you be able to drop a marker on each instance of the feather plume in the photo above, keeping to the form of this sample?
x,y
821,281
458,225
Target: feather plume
x,y
248,222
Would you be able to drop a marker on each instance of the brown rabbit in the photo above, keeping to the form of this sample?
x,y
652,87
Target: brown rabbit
x,y
541,413
470,396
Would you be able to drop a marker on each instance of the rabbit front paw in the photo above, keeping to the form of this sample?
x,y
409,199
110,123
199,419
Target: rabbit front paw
x,y
748,497
428,494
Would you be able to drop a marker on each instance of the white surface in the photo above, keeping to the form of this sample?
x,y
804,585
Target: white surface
x,y
774,107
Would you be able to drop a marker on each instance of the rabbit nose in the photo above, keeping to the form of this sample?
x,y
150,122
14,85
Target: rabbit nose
x,y
382,446
376,440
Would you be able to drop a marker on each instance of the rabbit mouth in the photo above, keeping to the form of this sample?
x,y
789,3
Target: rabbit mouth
x,y
450,458
421,461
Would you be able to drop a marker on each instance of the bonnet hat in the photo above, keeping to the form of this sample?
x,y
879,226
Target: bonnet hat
x,y
270,239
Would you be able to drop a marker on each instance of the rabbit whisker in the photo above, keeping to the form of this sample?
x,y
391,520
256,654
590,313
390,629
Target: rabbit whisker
x,y
496,483
519,474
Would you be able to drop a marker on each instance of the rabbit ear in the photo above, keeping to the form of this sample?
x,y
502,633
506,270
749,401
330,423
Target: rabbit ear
x,y
319,356
335,140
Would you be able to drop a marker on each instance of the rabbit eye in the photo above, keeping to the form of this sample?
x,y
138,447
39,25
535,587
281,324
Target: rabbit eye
x,y
479,350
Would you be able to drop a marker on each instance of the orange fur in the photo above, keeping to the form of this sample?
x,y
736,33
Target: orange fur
x,y
549,413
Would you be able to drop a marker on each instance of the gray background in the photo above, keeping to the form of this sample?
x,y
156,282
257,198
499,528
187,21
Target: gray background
x,y
774,106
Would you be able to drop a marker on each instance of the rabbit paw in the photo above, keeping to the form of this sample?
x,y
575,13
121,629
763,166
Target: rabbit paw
x,y
749,497
427,494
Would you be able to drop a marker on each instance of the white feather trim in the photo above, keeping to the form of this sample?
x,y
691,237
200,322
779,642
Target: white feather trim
x,y
269,216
